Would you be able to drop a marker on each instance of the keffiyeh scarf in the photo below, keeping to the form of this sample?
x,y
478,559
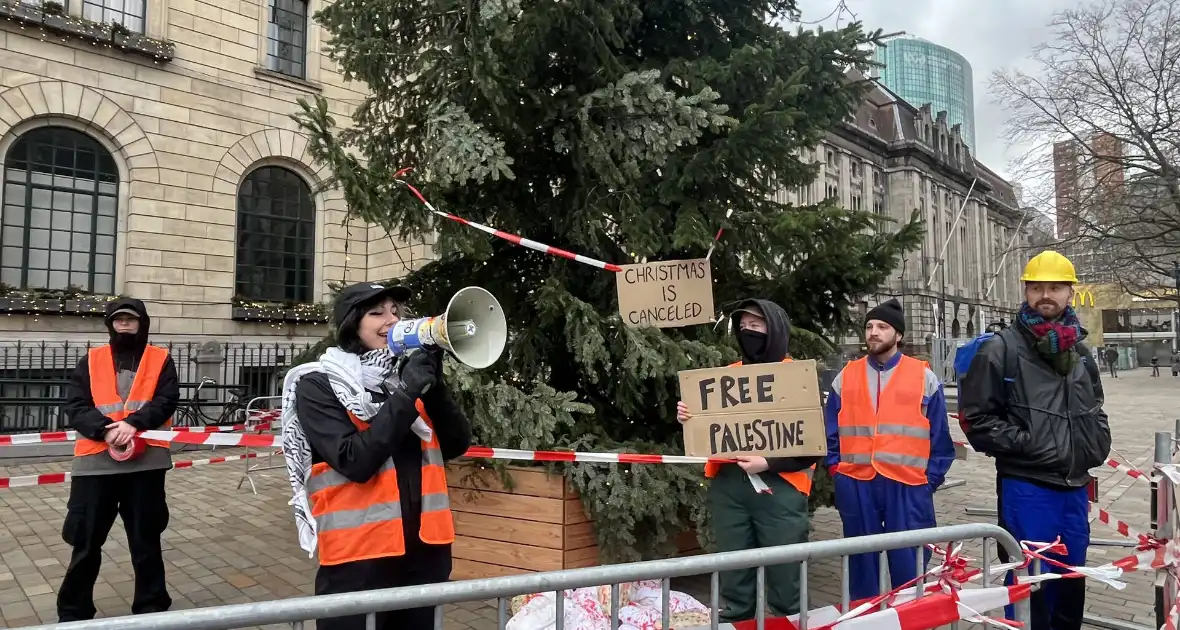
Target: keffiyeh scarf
x,y
354,379
1055,339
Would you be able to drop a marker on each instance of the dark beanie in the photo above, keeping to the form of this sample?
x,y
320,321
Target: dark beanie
x,y
889,312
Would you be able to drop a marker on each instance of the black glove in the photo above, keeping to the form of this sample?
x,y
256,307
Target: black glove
x,y
418,373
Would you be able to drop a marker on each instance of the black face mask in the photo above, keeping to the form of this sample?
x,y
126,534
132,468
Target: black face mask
x,y
124,341
752,344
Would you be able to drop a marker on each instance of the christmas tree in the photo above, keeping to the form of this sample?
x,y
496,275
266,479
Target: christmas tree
x,y
625,130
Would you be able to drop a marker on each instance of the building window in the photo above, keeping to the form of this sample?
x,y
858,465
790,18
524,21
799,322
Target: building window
x,y
60,205
856,203
129,13
855,169
276,230
831,158
832,191
286,37
879,205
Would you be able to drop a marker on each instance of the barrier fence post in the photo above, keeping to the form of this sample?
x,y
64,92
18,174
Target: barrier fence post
x,y
1163,523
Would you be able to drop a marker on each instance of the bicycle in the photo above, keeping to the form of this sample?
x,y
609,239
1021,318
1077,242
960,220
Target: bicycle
x,y
195,412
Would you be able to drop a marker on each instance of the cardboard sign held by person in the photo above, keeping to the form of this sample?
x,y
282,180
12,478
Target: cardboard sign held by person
x,y
767,409
666,294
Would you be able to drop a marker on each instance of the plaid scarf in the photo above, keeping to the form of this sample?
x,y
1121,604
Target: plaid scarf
x,y
1055,340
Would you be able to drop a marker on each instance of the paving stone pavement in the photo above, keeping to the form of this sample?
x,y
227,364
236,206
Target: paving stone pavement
x,y
226,546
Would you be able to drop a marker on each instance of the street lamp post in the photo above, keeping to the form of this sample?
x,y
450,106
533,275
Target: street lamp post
x,y
1176,313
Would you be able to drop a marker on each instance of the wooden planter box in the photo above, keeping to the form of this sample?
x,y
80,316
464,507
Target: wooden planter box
x,y
540,525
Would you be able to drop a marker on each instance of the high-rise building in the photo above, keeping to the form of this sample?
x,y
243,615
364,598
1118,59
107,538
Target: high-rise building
x,y
1088,183
923,72
893,158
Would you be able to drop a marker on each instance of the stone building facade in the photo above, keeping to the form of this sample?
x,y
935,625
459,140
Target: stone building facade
x,y
893,158
159,160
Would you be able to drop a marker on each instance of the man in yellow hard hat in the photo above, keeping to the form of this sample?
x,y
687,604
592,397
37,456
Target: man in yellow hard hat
x,y
1032,399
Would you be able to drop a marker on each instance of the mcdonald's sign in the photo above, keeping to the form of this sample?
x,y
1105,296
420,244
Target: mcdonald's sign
x,y
1079,298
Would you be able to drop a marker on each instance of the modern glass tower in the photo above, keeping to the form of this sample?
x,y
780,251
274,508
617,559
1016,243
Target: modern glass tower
x,y
923,72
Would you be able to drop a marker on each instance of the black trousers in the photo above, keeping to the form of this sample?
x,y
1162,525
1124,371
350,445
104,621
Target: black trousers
x,y
94,502
422,564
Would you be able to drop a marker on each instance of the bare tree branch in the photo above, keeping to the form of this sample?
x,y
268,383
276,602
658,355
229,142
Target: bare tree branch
x,y
1107,84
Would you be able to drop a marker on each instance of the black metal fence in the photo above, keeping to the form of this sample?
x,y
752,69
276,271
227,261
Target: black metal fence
x,y
34,375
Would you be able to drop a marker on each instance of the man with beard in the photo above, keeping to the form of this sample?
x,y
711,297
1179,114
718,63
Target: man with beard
x,y
745,518
889,447
117,390
1032,399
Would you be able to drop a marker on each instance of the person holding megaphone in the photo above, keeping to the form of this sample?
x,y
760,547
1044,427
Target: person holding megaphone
x,y
366,435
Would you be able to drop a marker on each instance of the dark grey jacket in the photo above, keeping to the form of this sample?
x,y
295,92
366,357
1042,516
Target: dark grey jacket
x,y
1037,424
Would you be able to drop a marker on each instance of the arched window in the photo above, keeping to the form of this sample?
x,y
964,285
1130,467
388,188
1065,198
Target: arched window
x,y
276,232
60,204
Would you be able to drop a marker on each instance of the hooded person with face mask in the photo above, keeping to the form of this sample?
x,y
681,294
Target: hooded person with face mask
x,y
744,518
117,390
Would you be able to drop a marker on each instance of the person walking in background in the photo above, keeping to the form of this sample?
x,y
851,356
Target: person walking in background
x,y
1112,362
1155,365
117,390
744,518
366,440
1032,399
889,447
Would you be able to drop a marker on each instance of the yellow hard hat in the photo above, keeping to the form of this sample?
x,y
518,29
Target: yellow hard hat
x,y
1049,266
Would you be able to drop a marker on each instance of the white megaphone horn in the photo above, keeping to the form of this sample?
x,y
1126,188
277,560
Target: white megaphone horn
x,y
473,328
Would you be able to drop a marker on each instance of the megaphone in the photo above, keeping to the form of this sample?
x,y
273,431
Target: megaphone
x,y
473,328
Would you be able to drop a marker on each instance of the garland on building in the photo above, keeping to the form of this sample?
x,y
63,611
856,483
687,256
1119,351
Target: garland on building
x,y
280,313
52,20
71,301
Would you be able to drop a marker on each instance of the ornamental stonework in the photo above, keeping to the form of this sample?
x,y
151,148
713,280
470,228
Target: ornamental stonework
x,y
191,203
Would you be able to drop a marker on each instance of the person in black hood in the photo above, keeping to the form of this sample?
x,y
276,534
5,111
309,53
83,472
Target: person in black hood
x,y
744,518
373,431
117,390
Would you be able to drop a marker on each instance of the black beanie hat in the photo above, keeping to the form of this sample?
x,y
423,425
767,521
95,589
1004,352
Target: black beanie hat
x,y
889,312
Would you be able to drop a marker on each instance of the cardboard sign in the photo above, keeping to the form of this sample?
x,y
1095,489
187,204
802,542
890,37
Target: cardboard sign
x,y
666,294
767,409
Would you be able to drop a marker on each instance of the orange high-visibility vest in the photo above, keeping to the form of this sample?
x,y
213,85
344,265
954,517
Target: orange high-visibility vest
x,y
361,521
104,391
893,439
801,480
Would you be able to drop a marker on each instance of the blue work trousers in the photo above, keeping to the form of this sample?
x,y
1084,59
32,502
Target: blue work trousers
x,y
878,506
1036,513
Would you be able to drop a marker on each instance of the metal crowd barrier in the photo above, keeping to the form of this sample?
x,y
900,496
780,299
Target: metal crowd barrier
x,y
252,463
297,611
1164,524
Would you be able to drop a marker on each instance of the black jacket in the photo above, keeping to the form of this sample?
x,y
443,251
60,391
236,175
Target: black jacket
x,y
1040,426
359,454
778,336
79,405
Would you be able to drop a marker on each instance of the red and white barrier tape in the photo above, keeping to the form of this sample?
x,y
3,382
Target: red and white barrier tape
x,y
48,479
511,238
52,437
932,610
479,452
1121,527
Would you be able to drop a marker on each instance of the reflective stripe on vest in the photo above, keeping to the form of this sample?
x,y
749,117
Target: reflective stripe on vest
x,y
801,480
361,521
894,438
104,391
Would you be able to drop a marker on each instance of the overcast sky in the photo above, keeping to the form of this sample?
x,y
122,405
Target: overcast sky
x,y
992,35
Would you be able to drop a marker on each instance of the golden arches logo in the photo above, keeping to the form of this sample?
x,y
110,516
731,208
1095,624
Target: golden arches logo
x,y
1079,298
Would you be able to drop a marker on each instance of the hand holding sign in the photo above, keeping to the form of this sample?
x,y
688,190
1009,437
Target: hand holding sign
x,y
766,409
